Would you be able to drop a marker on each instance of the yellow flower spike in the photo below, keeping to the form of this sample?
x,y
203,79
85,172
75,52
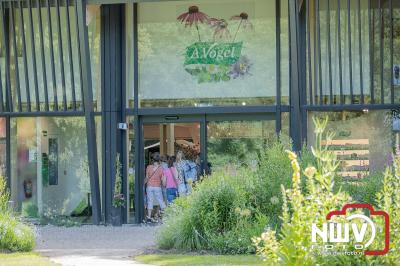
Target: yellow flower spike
x,y
237,210
246,212
310,171
264,235
292,155
295,166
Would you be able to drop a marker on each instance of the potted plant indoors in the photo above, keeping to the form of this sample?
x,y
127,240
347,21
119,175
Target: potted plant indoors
x,y
118,197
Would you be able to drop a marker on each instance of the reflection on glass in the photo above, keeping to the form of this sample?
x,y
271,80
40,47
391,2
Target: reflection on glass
x,y
129,44
207,53
232,144
93,19
285,125
359,48
285,74
35,49
363,141
50,177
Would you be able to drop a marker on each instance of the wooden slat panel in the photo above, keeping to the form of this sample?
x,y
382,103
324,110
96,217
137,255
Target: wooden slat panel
x,y
353,173
355,162
346,142
350,152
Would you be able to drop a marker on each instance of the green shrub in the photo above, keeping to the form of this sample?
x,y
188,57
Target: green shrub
x,y
30,210
388,199
14,235
216,216
365,189
4,195
275,171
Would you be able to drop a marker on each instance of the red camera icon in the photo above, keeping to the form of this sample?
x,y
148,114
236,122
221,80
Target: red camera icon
x,y
372,212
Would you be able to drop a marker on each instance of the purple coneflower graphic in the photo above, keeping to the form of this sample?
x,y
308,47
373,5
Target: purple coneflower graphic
x,y
220,28
244,22
241,67
193,16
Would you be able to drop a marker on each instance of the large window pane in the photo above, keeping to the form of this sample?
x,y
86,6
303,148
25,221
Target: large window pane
x,y
50,178
129,44
223,53
363,141
236,143
350,46
93,19
67,71
285,73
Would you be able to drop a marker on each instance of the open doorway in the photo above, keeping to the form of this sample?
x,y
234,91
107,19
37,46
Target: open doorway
x,y
172,164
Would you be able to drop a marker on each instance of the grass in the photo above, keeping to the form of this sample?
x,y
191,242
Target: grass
x,y
26,259
198,260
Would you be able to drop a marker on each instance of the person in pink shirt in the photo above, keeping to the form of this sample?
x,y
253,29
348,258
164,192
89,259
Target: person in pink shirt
x,y
153,180
171,182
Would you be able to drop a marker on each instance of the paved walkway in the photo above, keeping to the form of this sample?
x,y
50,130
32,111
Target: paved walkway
x,y
94,245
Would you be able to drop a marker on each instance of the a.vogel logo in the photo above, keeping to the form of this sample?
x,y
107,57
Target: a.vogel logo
x,y
334,232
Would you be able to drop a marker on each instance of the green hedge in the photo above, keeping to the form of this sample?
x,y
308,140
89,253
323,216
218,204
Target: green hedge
x,y
14,235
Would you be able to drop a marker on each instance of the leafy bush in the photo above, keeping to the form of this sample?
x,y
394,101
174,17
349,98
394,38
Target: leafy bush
x,y
275,171
216,216
14,235
30,210
226,210
365,189
388,199
4,195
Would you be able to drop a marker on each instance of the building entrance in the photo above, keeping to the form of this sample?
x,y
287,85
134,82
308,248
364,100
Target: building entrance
x,y
172,159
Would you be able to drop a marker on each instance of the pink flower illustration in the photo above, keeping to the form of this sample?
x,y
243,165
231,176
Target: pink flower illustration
x,y
193,16
220,28
244,22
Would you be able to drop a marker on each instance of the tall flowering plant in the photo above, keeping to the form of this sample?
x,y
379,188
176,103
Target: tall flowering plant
x,y
118,198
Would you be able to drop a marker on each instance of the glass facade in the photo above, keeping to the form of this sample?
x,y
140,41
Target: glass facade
x,y
364,141
207,53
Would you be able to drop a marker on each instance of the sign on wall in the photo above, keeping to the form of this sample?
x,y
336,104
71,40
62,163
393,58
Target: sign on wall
x,y
220,58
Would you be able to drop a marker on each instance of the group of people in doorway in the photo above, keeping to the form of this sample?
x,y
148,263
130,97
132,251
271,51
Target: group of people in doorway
x,y
168,177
